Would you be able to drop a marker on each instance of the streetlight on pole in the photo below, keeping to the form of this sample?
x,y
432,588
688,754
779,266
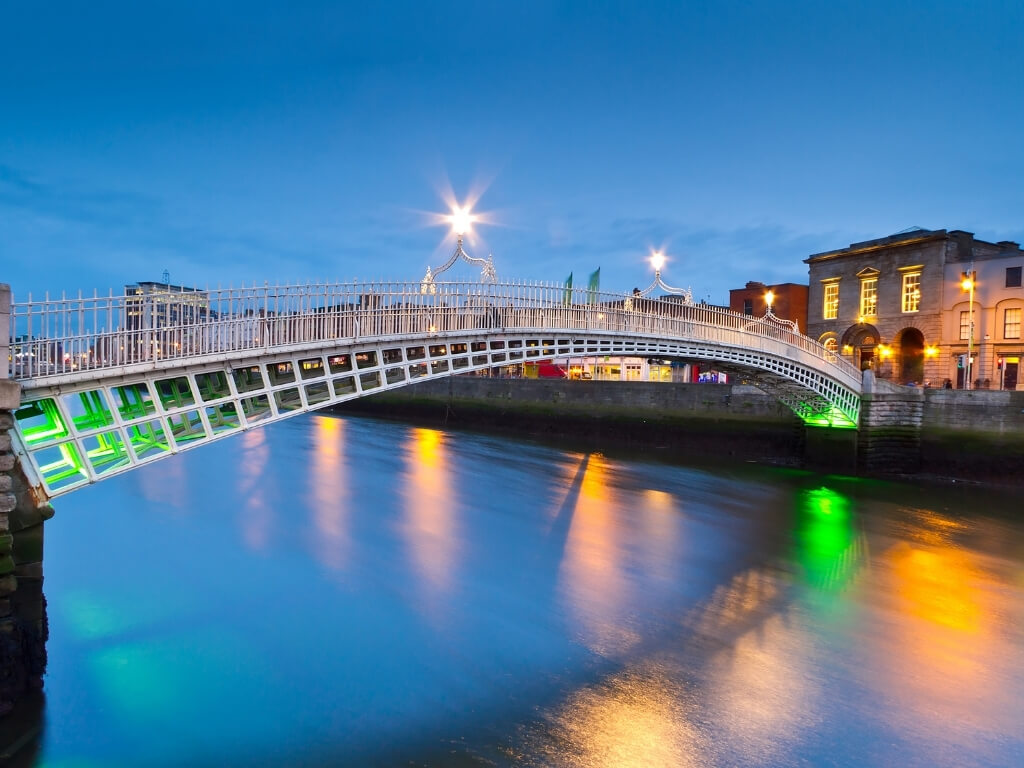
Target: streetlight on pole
x,y
968,285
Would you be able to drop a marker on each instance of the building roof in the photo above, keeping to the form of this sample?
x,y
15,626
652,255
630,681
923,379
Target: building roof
x,y
899,239
151,287
966,241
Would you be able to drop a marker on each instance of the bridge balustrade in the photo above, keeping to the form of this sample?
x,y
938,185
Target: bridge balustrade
x,y
73,336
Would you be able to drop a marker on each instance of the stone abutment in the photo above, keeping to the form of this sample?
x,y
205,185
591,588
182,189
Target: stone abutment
x,y
23,627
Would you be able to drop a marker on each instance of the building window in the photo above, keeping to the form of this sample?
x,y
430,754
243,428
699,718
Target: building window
x,y
830,307
911,291
869,297
748,306
1011,323
965,324
1013,277
831,345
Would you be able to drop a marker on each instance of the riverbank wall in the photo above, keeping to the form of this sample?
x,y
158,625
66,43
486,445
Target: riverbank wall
x,y
683,420
973,435
964,435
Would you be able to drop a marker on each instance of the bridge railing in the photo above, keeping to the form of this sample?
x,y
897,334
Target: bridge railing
x,y
69,335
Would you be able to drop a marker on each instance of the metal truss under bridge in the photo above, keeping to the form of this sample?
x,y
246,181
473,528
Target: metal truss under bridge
x,y
111,383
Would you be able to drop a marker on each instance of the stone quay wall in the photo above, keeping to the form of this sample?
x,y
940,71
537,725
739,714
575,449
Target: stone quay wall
x,y
956,434
693,420
974,435
889,438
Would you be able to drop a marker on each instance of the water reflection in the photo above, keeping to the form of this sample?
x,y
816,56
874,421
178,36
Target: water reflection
x,y
165,484
429,528
828,547
23,660
660,528
591,575
637,615
255,485
328,492
955,656
638,718
763,691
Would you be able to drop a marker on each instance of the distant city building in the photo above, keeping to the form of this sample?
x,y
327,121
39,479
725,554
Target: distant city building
x,y
897,305
789,301
151,305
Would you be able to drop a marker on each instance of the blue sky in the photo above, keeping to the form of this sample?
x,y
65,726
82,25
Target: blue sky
x,y
290,141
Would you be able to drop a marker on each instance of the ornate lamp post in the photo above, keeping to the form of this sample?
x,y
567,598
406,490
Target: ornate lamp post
x,y
658,261
461,220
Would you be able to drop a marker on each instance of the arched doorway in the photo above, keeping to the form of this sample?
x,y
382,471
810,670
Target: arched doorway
x,y
911,356
861,340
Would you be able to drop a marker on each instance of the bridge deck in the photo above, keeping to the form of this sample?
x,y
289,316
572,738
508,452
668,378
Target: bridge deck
x,y
110,383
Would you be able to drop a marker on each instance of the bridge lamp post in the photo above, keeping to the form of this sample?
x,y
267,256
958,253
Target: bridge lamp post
x,y
769,299
461,220
658,261
968,285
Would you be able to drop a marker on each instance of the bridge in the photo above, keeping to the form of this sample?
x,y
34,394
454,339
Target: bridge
x,y
109,383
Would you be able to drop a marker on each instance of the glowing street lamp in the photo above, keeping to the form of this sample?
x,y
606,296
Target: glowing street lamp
x,y
461,219
967,284
769,299
658,261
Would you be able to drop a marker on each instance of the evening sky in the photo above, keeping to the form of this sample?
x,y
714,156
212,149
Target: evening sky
x,y
259,141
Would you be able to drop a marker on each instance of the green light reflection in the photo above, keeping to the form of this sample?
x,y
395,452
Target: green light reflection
x,y
827,546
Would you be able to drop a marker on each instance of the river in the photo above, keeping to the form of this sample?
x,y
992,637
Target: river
x,y
348,591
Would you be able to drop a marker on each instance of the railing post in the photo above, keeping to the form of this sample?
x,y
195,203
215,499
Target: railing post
x,y
6,331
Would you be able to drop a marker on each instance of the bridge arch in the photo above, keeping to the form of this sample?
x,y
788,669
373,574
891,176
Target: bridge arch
x,y
113,400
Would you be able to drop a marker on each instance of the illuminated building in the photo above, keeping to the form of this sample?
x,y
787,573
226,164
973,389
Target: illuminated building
x,y
898,305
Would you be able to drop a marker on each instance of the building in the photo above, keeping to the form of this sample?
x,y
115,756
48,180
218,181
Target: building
x,y
789,301
151,305
899,306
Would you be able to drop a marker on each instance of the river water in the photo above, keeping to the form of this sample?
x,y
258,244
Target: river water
x,y
347,591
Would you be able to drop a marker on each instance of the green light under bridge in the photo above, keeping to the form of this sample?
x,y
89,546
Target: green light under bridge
x,y
831,418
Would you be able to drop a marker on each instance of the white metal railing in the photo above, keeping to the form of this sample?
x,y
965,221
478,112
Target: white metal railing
x,y
52,337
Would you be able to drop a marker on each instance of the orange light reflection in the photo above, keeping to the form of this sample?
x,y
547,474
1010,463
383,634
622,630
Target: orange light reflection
x,y
591,573
429,527
949,610
328,483
638,718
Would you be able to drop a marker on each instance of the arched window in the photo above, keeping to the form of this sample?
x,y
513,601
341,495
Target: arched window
x,y
831,344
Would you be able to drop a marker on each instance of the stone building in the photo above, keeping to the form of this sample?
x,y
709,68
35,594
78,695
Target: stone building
x,y
789,301
897,305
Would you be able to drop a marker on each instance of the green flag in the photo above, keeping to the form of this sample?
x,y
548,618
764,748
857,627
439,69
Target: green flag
x,y
594,285
568,291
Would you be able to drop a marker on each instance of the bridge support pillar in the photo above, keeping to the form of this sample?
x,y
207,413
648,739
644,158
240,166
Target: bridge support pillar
x,y
889,438
23,627
830,449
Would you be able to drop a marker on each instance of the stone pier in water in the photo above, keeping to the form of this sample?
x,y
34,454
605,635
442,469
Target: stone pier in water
x,y
23,627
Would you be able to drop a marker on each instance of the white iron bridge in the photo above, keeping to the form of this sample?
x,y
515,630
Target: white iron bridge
x,y
113,382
